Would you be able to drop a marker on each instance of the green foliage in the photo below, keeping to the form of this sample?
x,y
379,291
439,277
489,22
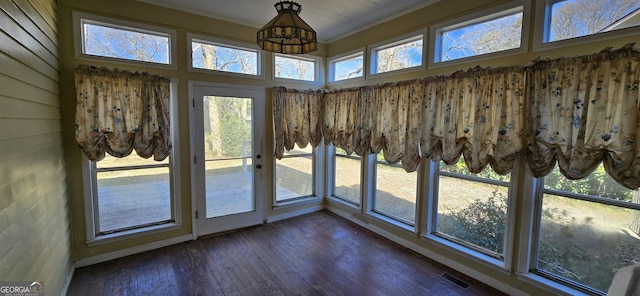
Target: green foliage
x,y
460,167
482,223
235,131
598,183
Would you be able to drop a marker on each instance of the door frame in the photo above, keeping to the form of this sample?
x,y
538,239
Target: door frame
x,y
259,127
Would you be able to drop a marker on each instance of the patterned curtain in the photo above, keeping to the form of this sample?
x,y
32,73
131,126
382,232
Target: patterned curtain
x,y
477,114
585,110
296,118
119,111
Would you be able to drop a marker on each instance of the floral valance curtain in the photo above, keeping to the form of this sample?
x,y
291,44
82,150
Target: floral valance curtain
x,y
475,113
296,117
576,111
119,111
584,110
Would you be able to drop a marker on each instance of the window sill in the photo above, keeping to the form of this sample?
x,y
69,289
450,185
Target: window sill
x,y
343,202
392,221
469,253
550,285
118,236
296,201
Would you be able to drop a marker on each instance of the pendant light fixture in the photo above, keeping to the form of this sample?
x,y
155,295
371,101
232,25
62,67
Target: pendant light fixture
x,y
287,33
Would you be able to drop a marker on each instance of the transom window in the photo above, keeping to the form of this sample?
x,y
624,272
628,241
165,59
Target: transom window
x,y
588,229
301,68
211,55
576,18
347,67
487,34
108,38
403,54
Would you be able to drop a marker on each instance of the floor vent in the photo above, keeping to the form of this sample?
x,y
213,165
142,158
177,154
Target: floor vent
x,y
460,283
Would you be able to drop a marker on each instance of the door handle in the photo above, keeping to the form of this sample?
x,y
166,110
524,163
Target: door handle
x,y
258,166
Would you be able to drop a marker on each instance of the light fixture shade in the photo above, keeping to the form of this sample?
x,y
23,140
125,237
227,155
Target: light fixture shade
x,y
287,33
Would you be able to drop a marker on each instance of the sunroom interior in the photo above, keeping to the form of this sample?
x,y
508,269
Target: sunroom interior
x,y
257,137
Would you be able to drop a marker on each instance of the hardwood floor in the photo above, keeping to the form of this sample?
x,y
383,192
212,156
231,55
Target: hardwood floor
x,y
315,254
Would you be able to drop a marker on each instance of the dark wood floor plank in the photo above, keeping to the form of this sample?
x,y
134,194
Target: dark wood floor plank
x,y
314,254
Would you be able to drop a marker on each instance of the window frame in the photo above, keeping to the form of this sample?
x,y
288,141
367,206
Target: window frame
x,y
317,191
90,172
80,18
331,177
318,71
331,62
435,33
466,249
529,264
192,37
372,192
372,53
541,31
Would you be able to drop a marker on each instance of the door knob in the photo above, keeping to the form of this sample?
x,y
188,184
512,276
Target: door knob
x,y
258,166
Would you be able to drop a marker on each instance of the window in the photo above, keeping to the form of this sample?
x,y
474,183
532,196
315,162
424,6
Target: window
x,y
294,174
130,195
577,18
588,229
472,208
346,176
131,192
396,191
478,36
346,67
403,54
99,37
212,55
302,68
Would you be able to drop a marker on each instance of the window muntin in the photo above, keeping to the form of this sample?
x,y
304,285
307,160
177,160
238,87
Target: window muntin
x,y
295,68
131,193
347,176
294,174
403,54
589,228
220,57
107,40
577,18
498,32
396,192
348,67
472,208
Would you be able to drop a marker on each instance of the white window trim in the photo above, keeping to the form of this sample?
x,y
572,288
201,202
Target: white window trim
x,y
430,230
374,48
229,44
388,217
78,18
317,171
478,17
91,190
541,32
318,71
331,63
330,151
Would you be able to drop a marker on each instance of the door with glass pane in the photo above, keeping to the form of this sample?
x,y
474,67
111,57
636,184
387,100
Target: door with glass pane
x,y
228,129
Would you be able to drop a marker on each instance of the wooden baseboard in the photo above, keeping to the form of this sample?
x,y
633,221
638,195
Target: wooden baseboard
x,y
130,251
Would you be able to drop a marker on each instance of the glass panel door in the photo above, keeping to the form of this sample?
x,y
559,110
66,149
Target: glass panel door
x,y
227,160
